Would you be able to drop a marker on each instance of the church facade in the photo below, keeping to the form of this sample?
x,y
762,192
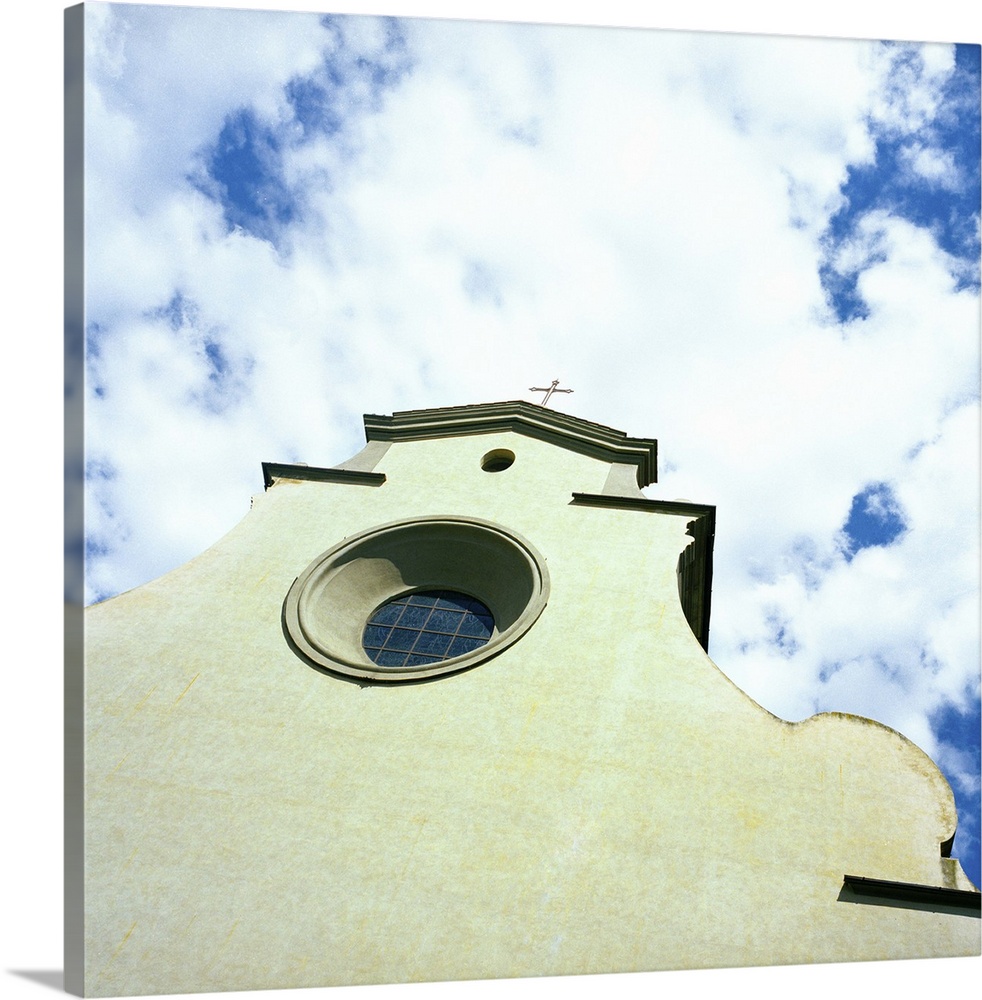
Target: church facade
x,y
446,711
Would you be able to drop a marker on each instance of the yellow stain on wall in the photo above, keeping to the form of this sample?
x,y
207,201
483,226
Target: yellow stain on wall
x,y
119,948
142,701
188,688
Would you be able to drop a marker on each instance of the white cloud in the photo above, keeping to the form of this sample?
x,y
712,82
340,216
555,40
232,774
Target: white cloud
x,y
911,76
935,166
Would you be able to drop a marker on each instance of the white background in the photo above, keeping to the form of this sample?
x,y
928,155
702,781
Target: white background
x,y
31,937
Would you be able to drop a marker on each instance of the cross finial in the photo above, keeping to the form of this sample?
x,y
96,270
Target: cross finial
x,y
548,392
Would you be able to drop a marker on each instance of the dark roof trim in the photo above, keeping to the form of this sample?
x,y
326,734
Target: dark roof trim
x,y
695,568
683,507
909,892
522,417
281,470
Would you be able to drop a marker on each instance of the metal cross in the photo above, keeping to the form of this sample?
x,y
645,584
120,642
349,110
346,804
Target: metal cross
x,y
548,392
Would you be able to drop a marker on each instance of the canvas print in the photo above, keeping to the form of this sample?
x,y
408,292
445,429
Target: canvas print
x,y
526,521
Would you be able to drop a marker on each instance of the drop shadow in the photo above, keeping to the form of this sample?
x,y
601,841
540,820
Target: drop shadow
x,y
963,909
53,978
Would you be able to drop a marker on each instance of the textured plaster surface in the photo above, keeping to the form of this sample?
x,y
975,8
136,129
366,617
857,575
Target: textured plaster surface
x,y
598,797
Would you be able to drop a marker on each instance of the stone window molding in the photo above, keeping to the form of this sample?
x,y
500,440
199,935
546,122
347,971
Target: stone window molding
x,y
327,607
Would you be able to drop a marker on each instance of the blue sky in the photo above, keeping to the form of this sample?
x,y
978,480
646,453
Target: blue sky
x,y
762,251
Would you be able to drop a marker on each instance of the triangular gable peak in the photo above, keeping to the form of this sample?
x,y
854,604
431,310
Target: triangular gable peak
x,y
533,420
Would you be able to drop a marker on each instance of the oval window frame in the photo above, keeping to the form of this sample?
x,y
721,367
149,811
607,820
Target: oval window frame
x,y
327,606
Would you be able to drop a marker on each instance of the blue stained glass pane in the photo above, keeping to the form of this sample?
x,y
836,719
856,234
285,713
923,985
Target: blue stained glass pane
x,y
402,638
432,644
462,645
387,657
479,628
415,659
414,617
444,621
387,615
375,635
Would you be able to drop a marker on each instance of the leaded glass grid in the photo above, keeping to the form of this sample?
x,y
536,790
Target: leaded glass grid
x,y
427,626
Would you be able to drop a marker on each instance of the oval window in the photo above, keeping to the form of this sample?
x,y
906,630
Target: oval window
x,y
427,626
416,599
497,460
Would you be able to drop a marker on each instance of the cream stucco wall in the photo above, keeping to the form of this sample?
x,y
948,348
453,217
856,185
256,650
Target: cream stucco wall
x,y
598,797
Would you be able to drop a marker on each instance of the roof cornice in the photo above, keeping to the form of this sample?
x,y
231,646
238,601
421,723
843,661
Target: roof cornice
x,y
531,419
284,470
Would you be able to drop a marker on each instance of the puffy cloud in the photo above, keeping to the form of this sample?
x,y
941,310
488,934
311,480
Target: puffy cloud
x,y
932,165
